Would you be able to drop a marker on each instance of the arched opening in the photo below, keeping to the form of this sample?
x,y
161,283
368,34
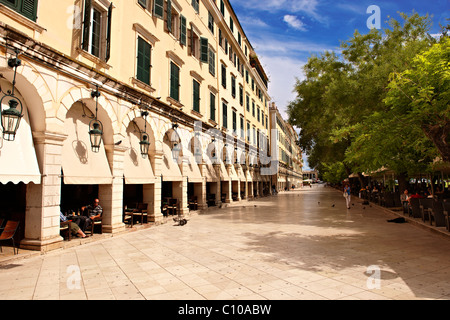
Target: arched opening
x,y
19,165
171,176
84,171
139,179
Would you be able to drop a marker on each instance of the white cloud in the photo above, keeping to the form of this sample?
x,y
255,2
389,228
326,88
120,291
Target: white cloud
x,y
309,7
294,22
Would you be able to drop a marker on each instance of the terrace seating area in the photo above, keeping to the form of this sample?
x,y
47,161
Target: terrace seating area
x,y
423,207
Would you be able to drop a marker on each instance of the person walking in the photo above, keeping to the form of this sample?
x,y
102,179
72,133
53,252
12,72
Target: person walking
x,y
347,195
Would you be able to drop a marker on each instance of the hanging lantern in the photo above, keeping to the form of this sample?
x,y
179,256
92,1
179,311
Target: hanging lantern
x,y
11,117
145,140
95,133
198,155
145,144
176,151
95,126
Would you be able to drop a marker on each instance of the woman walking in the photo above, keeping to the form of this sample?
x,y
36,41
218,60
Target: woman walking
x,y
347,195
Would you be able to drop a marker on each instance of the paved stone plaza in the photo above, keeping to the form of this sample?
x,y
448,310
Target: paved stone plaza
x,y
292,246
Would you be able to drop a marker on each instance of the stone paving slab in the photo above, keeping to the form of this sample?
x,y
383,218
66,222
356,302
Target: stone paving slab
x,y
293,246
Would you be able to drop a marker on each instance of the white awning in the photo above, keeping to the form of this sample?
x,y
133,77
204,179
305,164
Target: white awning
x,y
80,164
210,173
18,162
249,176
241,174
137,170
193,171
169,168
233,174
223,172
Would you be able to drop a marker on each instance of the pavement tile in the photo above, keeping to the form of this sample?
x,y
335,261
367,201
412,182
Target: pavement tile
x,y
286,247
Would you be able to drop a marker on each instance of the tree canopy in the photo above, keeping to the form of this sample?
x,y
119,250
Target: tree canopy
x,y
382,103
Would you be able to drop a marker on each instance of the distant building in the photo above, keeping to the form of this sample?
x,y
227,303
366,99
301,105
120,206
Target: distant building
x,y
312,175
288,153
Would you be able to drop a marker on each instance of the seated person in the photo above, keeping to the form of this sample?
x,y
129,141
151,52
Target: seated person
x,y
94,212
74,228
404,197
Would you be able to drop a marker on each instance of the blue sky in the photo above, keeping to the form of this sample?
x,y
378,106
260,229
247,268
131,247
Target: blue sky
x,y
284,33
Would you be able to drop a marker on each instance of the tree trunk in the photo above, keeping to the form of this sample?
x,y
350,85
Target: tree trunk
x,y
439,135
361,180
403,181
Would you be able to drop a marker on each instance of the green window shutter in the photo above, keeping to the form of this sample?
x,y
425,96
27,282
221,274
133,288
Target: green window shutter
x,y
233,86
174,81
196,92
225,115
183,30
212,62
196,5
169,16
222,7
108,35
224,76
86,24
143,61
204,49
158,8
29,9
212,106
143,3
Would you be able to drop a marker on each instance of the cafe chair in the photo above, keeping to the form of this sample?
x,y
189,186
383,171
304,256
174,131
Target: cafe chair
x,y
8,233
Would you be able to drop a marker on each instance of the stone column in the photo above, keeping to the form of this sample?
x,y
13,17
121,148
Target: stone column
x,y
154,196
245,169
42,220
237,167
219,189
228,198
202,201
250,185
180,189
111,195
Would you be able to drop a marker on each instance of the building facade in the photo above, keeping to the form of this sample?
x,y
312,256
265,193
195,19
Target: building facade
x,y
182,73
289,154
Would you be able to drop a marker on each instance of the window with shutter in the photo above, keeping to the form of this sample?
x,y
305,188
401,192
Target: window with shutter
x,y
143,3
210,22
183,30
27,8
225,115
212,62
158,8
212,106
204,50
222,7
224,76
174,81
143,61
169,16
97,31
196,94
196,5
233,86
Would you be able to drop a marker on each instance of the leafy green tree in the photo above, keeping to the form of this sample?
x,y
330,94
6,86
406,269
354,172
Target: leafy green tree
x,y
420,96
341,107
